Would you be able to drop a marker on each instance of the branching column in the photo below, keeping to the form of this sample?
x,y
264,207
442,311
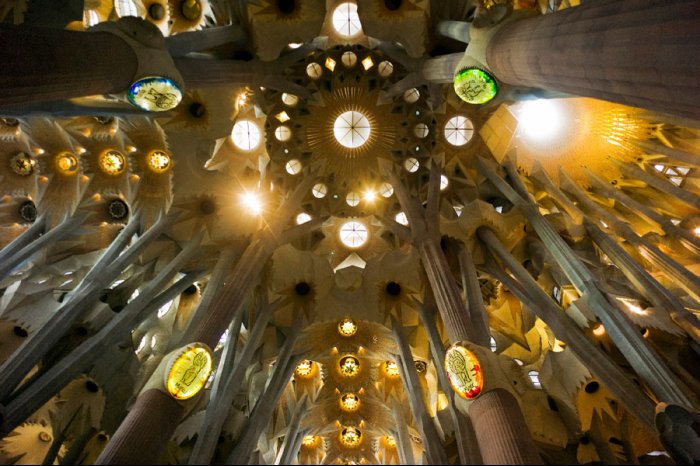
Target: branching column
x,y
640,355
641,53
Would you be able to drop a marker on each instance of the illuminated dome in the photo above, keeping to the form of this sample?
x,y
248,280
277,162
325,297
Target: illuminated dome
x,y
304,369
112,162
391,369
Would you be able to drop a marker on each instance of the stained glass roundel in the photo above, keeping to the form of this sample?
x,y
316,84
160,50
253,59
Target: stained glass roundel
x,y
464,371
155,94
475,86
189,372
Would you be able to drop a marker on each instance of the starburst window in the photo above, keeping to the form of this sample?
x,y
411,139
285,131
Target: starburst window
x,y
346,21
351,129
353,234
459,130
246,135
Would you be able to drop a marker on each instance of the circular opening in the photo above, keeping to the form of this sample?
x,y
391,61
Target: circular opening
x,y
393,5
67,164
346,21
91,386
28,211
158,161
191,290
156,11
302,289
283,133
320,191
197,110
386,190
349,366
411,165
20,332
207,207
592,387
286,7
293,167
351,129
112,163
393,289
191,9
353,199
411,96
314,70
541,121
117,209
385,68
459,130
421,130
353,234
349,59
421,366
303,218
290,99
246,135
22,164
585,440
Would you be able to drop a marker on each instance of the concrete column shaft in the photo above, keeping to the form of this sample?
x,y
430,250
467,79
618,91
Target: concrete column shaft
x,y
642,53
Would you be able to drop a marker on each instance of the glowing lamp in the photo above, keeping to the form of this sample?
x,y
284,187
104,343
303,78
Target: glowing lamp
x,y
158,161
112,162
67,164
304,369
347,327
391,369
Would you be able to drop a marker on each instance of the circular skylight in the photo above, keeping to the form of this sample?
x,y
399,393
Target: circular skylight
x,y
246,135
346,21
411,96
459,130
319,191
303,218
353,199
290,99
351,129
540,120
444,182
386,68
349,59
293,167
283,133
314,70
411,165
421,130
353,234
386,190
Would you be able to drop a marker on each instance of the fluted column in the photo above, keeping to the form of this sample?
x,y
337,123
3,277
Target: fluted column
x,y
655,147
55,64
143,428
671,268
641,53
431,440
659,182
501,429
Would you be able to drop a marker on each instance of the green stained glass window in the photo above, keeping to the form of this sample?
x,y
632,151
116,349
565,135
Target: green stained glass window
x,y
475,86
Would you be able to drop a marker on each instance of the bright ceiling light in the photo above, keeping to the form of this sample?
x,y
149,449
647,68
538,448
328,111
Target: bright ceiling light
x,y
370,196
540,120
246,135
252,203
351,129
346,21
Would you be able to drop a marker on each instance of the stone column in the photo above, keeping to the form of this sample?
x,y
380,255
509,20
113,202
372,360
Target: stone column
x,y
655,147
34,394
267,403
501,430
475,301
431,440
457,30
632,345
642,53
55,64
533,296
659,182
